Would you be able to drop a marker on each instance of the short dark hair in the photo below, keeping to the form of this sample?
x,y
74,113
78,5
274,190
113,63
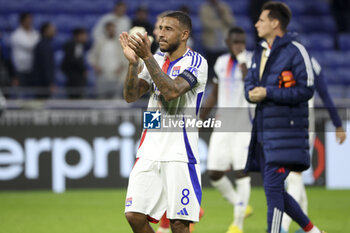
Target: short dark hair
x,y
23,16
279,11
78,31
142,8
236,29
44,27
182,17
119,3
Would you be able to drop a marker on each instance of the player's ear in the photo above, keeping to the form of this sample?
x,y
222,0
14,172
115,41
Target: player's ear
x,y
275,23
185,34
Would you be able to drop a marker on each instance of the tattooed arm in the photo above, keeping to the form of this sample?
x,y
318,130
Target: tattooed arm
x,y
134,87
168,87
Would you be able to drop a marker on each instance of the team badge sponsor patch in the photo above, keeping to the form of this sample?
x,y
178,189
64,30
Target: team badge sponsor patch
x,y
176,71
128,201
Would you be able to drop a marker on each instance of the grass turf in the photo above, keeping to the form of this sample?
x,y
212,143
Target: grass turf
x,y
95,211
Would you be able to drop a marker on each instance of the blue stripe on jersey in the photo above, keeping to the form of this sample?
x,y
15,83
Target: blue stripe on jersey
x,y
195,182
195,64
200,61
199,99
192,60
160,54
190,155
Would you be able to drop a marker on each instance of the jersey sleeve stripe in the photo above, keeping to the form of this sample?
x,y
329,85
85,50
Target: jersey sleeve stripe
x,y
200,61
195,64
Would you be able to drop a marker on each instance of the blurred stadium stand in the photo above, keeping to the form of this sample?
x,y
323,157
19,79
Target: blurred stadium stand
x,y
313,20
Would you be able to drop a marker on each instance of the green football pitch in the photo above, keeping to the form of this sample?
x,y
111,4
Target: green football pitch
x,y
101,211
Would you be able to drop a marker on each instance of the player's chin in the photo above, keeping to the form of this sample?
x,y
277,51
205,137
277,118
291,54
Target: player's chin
x,y
163,47
260,34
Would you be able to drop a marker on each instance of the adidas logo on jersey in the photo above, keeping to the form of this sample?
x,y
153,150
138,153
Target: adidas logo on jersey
x,y
182,212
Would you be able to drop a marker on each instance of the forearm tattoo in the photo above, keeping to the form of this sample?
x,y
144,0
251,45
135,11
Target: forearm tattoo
x,y
131,84
163,82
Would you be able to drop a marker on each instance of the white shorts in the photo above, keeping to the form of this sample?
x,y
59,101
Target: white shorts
x,y
155,187
228,150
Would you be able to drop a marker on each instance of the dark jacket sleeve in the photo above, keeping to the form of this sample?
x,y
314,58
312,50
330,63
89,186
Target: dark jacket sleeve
x,y
321,88
304,77
249,81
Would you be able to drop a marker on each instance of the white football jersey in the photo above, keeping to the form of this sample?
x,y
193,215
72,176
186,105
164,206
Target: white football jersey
x,y
175,145
232,105
229,78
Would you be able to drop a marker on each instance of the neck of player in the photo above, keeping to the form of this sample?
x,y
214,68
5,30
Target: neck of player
x,y
181,50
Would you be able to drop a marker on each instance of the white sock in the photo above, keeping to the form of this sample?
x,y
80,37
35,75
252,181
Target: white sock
x,y
314,230
226,189
296,189
303,200
243,194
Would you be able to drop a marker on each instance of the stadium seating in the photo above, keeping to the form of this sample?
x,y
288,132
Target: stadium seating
x,y
245,22
323,24
344,41
312,19
336,59
343,75
331,77
295,26
318,41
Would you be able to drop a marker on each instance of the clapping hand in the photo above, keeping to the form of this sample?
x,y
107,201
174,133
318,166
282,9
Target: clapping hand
x,y
128,52
141,45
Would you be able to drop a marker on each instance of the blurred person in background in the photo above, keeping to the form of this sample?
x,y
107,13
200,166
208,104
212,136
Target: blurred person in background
x,y
121,21
229,150
216,18
23,41
44,62
7,72
341,13
73,64
107,59
141,19
294,181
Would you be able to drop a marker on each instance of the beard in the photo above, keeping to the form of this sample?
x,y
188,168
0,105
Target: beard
x,y
171,48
